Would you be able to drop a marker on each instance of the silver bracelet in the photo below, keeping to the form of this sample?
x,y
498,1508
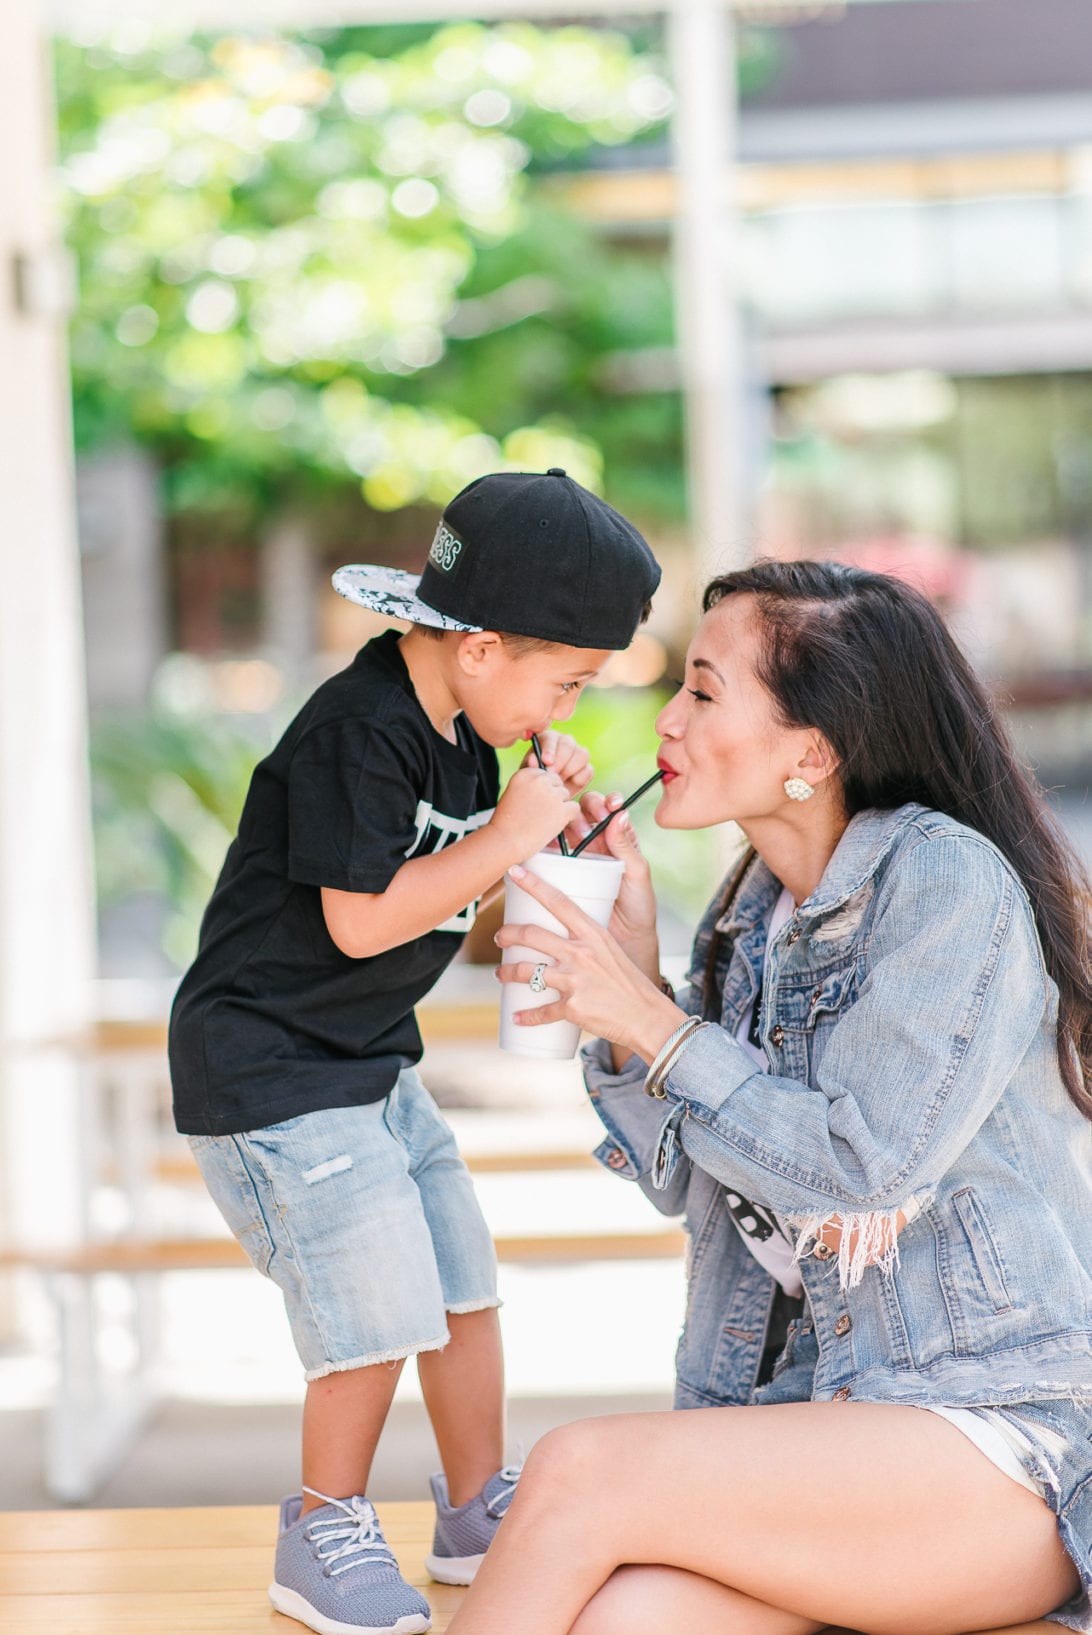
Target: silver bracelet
x,y
666,1055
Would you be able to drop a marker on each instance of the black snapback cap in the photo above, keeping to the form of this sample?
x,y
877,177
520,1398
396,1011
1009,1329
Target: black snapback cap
x,y
526,553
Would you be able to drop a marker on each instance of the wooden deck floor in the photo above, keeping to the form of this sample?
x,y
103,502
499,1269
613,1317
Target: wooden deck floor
x,y
169,1572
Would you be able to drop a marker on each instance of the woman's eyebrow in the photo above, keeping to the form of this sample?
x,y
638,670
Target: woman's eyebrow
x,y
704,664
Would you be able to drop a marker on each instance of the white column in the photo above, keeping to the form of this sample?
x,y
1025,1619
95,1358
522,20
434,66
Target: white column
x,y
46,897
123,554
288,578
701,38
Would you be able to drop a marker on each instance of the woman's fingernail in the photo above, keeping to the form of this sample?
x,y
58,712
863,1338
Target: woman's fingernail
x,y
516,873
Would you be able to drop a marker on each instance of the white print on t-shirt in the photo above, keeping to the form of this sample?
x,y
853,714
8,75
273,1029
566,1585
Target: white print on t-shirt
x,y
434,831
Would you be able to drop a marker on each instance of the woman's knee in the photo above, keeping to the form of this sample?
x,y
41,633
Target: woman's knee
x,y
570,1458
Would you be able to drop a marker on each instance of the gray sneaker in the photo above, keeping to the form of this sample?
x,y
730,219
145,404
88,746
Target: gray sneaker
x,y
336,1574
462,1536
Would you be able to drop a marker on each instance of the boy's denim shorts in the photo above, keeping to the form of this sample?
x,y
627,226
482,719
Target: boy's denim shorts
x,y
367,1221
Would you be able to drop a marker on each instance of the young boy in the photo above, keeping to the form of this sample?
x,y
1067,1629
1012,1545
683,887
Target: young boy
x,y
368,837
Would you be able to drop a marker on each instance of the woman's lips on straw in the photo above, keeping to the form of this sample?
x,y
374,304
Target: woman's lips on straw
x,y
666,768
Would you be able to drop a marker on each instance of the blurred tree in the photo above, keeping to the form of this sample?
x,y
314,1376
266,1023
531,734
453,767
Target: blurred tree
x,y
326,274
168,791
308,264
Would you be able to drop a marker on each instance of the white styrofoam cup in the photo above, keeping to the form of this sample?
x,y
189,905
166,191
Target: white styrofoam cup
x,y
592,882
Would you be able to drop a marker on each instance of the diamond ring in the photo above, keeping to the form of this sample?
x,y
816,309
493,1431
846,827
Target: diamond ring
x,y
537,983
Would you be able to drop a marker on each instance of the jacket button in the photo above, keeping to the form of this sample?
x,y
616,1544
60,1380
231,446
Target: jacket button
x,y
842,1393
777,1035
843,1325
616,1158
793,934
822,1251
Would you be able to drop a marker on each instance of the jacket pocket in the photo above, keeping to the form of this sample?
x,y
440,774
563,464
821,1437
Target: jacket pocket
x,y
822,1007
829,997
983,1247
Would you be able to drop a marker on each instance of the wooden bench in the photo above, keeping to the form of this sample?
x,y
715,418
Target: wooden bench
x,y
93,1415
130,1257
170,1572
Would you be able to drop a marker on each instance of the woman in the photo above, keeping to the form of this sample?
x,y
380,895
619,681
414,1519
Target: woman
x,y
871,1104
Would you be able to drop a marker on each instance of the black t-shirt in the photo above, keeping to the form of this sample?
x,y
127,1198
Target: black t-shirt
x,y
272,1019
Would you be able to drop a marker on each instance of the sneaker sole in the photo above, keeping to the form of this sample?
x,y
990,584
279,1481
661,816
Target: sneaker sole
x,y
453,1569
293,1604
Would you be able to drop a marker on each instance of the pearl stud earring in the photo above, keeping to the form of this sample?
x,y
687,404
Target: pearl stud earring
x,y
798,789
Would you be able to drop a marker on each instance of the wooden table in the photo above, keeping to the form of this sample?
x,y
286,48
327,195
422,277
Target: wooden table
x,y
170,1572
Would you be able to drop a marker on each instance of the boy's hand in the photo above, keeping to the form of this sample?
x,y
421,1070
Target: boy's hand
x,y
563,755
533,810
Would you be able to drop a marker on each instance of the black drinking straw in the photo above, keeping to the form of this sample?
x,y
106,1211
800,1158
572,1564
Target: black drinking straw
x,y
537,747
629,800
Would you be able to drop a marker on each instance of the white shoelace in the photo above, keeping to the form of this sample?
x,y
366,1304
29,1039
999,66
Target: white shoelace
x,y
497,1506
355,1534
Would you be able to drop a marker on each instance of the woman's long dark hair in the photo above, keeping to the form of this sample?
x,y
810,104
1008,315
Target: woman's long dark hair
x,y
867,662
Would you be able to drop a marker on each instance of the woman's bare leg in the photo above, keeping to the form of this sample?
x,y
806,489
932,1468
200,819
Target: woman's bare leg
x,y
864,1515
639,1599
635,1599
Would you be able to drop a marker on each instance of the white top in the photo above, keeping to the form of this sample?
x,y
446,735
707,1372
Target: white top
x,y
760,1228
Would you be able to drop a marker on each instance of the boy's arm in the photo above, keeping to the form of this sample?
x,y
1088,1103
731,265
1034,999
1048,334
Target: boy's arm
x,y
428,890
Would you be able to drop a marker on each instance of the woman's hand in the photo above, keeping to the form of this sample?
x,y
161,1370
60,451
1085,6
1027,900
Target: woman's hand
x,y
633,921
600,986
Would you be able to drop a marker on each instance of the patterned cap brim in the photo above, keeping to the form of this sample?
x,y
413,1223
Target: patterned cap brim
x,y
393,593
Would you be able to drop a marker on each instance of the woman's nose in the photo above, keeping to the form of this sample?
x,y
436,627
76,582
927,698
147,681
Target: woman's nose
x,y
669,721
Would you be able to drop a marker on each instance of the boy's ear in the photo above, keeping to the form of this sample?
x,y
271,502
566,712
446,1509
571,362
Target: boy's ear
x,y
477,649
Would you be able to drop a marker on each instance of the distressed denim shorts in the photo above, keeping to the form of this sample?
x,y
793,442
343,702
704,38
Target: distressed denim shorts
x,y
1057,1458
367,1221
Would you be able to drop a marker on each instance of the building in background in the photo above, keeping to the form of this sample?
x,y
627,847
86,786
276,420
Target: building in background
x,y
916,189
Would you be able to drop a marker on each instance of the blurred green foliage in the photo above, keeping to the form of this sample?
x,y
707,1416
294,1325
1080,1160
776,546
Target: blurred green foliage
x,y
167,793
323,262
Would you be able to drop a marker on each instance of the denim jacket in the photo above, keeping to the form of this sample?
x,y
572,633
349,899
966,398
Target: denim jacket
x,y
910,1027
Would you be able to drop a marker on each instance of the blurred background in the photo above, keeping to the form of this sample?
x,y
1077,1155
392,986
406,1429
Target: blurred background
x,y
775,278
